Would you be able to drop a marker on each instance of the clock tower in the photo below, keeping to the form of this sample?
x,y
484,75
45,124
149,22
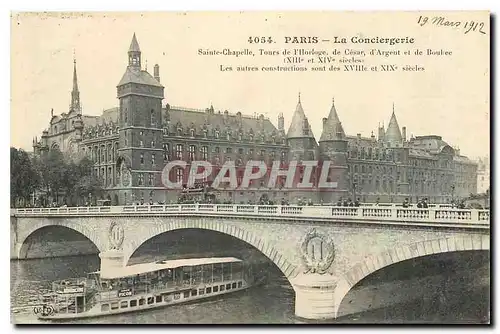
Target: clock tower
x,y
140,160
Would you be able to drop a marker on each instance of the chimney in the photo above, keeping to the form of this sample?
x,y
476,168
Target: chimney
x,y
324,121
358,135
281,122
404,133
156,72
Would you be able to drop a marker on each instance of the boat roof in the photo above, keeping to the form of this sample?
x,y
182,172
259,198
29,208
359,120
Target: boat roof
x,y
143,268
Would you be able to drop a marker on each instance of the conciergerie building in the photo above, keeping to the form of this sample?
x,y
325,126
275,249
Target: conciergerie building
x,y
131,144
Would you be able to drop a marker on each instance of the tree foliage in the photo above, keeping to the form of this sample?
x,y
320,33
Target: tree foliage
x,y
24,178
54,175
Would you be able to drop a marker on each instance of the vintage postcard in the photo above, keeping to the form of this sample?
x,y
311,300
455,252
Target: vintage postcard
x,y
250,167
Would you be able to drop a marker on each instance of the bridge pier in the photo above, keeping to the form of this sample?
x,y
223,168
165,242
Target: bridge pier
x,y
112,261
315,296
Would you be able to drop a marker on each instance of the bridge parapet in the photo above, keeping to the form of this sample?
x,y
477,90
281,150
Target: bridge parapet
x,y
384,214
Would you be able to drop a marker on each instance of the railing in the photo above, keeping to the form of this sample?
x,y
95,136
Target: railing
x,y
362,213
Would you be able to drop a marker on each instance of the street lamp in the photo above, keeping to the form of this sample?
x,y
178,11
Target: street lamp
x,y
452,192
354,190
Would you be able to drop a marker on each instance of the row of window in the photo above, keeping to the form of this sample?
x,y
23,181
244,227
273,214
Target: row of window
x,y
203,152
168,297
228,135
152,117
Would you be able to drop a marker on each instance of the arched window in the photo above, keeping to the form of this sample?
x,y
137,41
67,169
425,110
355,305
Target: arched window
x,y
153,118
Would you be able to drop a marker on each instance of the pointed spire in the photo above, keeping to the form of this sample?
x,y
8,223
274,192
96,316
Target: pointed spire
x,y
75,93
332,127
393,132
134,45
299,127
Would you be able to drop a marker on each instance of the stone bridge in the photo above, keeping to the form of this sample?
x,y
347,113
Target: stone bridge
x,y
322,250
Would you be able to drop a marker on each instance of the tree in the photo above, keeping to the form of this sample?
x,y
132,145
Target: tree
x,y
24,178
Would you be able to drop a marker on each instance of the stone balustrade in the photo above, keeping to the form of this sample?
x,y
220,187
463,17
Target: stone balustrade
x,y
387,214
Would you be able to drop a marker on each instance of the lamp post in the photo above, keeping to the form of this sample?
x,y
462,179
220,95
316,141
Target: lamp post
x,y
452,193
354,190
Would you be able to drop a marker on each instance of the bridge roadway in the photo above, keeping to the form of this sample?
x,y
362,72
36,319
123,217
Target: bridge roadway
x,y
322,250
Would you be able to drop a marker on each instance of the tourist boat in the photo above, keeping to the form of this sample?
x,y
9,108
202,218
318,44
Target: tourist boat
x,y
144,286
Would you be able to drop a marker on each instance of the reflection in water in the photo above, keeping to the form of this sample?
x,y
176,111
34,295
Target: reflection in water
x,y
272,302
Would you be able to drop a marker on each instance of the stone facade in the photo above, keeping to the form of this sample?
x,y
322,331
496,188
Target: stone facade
x,y
131,144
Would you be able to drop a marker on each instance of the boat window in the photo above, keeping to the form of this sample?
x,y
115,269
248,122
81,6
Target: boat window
x,y
216,288
167,298
124,304
114,305
104,307
141,301
194,292
158,299
222,287
240,284
234,285
151,300
209,290
186,294
228,286
201,292
133,303
177,296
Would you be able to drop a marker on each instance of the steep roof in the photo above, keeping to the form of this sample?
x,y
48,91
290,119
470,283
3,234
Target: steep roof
x,y
299,119
139,77
134,45
200,118
393,133
332,128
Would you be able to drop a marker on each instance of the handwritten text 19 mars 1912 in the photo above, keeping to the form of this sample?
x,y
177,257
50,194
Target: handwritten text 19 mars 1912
x,y
467,26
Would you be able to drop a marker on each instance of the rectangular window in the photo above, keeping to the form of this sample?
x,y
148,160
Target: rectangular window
x,y
142,158
222,287
158,299
133,303
114,305
228,286
178,151
151,300
204,153
178,175
191,152
209,290
240,284
234,285
201,292
124,304
153,117
166,152
194,292
186,294
229,150
150,179
141,179
216,288
152,159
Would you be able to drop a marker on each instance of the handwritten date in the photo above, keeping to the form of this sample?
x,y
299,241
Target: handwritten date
x,y
467,26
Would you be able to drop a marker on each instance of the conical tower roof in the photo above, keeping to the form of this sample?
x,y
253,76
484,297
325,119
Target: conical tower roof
x,y
393,133
299,124
134,45
332,128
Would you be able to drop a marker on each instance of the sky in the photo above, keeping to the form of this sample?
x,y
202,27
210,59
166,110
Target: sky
x,y
450,98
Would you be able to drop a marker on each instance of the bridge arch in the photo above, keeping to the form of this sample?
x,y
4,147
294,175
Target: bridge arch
x,y
405,252
91,234
265,247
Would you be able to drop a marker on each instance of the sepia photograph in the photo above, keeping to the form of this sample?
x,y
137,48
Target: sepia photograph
x,y
305,167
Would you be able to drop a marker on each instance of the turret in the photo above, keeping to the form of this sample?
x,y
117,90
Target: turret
x,y
302,147
134,54
281,123
393,134
333,148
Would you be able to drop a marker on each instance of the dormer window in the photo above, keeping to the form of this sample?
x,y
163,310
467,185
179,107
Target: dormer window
x,y
192,132
179,131
217,133
204,133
